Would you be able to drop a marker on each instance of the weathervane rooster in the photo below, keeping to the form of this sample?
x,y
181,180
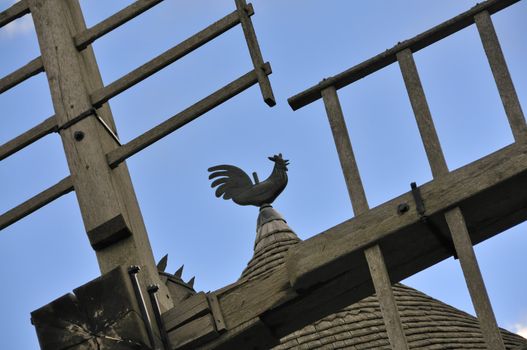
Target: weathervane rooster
x,y
233,183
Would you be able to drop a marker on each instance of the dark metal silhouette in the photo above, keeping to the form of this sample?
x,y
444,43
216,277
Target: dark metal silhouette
x,y
233,183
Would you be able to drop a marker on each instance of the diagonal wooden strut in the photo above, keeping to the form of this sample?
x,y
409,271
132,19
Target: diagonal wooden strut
x,y
47,196
88,36
377,267
329,271
255,53
502,77
156,64
17,10
454,217
118,155
388,57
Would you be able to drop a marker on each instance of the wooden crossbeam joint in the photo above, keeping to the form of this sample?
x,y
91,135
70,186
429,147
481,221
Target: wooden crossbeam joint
x,y
255,52
195,321
388,57
88,36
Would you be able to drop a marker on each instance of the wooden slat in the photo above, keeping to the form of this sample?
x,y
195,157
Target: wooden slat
x,y
194,333
345,151
106,197
454,218
88,36
502,76
120,154
34,134
17,10
436,159
327,272
47,196
388,57
254,51
32,68
186,311
214,30
474,279
377,267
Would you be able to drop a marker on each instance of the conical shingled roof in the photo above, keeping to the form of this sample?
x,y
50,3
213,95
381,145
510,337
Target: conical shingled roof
x,y
428,323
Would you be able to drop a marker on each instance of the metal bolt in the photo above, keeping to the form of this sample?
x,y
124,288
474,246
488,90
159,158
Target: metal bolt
x,y
402,208
133,269
78,135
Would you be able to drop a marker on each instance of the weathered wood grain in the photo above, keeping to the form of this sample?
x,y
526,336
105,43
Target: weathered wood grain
x,y
425,123
454,218
137,75
88,36
502,77
322,257
103,194
345,151
388,57
186,311
255,53
34,134
172,124
102,314
474,279
194,333
332,271
32,68
377,267
63,187
17,10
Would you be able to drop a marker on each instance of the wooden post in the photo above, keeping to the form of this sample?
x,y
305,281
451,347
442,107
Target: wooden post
x,y
378,271
108,205
508,95
254,51
454,217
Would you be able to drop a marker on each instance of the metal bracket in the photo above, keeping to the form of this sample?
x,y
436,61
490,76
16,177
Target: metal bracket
x,y
85,114
420,208
133,271
152,292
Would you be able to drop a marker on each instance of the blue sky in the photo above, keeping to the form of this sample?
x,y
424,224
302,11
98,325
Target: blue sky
x,y
47,254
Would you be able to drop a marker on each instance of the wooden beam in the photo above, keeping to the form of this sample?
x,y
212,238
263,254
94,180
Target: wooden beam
x,y
436,159
376,265
469,264
388,57
473,187
47,196
345,151
254,51
118,155
329,271
85,38
502,77
17,10
137,75
102,314
32,68
454,218
32,135
106,198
